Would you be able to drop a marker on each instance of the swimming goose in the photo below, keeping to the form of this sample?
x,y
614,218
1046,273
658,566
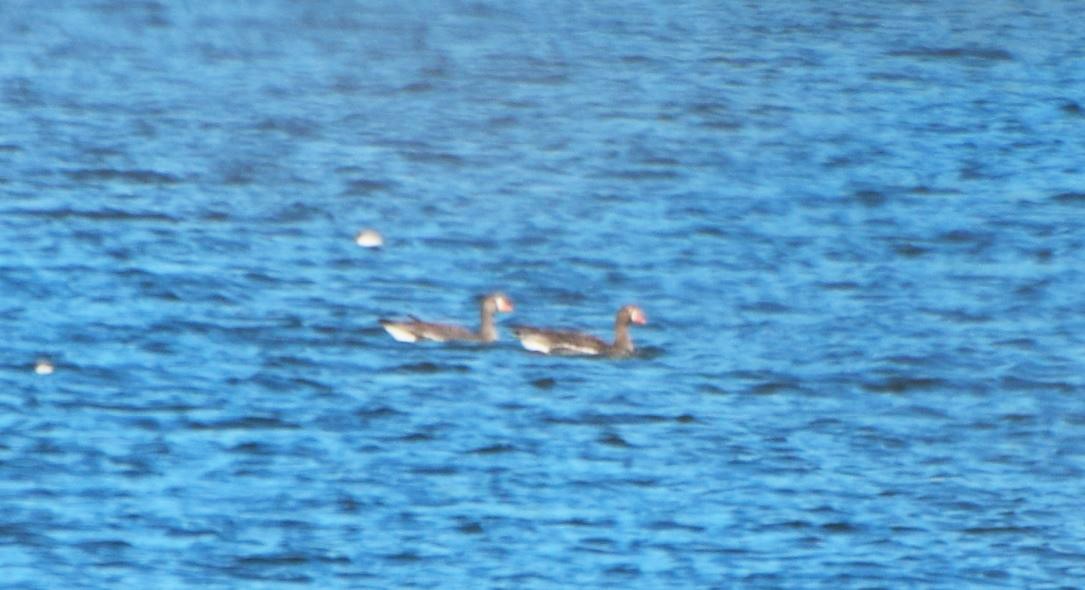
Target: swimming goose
x,y
414,329
576,343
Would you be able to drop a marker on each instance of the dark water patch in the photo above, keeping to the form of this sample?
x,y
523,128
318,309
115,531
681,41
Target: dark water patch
x,y
440,158
430,368
295,127
275,560
613,440
976,171
24,535
1049,551
277,566
711,231
923,189
910,250
1018,343
901,384
288,361
1019,419
404,558
284,384
502,122
462,243
526,580
1002,530
470,528
871,198
1043,255
711,389
655,160
245,423
542,79
239,173
296,212
1071,107
960,316
347,504
544,383
140,177
580,522
363,187
639,482
766,307
647,353
595,419
839,528
786,525
418,437
598,544
1035,289
494,449
955,53
247,573
216,216
962,236
671,525
22,92
983,425
107,546
721,123
623,570
774,387
435,470
1015,383
253,448
263,278
107,215
1075,419
927,412
766,382
133,408
1070,198
908,360
640,174
417,87
840,286
373,413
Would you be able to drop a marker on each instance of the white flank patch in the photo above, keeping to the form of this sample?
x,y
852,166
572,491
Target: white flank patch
x,y
400,333
535,343
570,349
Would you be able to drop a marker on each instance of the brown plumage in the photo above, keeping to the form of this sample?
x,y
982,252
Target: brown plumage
x,y
415,330
568,342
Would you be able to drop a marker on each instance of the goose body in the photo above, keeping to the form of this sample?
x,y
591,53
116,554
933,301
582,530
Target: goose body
x,y
416,330
565,342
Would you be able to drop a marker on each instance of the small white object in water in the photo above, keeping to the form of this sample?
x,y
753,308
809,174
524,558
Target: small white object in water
x,y
43,367
369,238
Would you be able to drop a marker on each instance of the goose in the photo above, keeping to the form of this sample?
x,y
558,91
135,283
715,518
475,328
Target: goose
x,y
415,330
575,343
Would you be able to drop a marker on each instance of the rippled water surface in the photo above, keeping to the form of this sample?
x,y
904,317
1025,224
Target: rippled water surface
x,y
856,231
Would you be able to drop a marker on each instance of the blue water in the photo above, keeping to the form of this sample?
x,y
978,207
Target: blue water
x,y
857,232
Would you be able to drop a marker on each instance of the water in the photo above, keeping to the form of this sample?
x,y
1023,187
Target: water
x,y
856,232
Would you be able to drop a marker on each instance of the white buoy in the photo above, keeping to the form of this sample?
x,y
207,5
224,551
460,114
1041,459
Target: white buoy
x,y
369,238
43,367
